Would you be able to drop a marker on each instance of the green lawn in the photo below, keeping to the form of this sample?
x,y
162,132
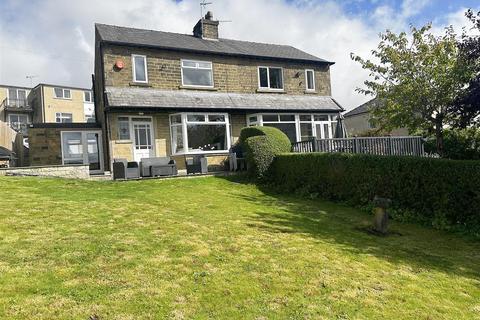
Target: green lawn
x,y
215,248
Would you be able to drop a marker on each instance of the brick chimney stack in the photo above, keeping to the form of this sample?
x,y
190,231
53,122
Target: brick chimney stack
x,y
206,28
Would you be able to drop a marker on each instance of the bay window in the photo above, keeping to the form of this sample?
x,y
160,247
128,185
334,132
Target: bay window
x,y
270,78
194,133
197,73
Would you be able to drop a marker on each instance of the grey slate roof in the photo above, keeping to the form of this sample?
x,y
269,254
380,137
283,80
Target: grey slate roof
x,y
178,99
363,108
184,42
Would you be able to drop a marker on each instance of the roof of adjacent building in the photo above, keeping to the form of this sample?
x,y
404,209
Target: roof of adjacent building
x,y
61,86
185,42
148,98
363,108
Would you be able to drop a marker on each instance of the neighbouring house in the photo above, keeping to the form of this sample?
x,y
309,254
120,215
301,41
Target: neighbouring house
x,y
64,129
34,112
15,110
358,122
61,104
170,94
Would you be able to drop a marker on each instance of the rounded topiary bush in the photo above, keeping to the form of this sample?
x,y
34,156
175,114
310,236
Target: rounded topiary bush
x,y
261,145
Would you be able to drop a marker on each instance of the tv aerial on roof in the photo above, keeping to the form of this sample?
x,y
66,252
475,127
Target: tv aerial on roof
x,y
203,6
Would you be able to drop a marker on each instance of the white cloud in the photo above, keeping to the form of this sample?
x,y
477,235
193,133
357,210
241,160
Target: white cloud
x,y
54,39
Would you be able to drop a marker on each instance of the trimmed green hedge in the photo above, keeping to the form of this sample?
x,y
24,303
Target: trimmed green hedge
x,y
442,193
260,145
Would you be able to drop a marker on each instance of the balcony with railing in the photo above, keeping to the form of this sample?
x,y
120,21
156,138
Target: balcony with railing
x,y
16,105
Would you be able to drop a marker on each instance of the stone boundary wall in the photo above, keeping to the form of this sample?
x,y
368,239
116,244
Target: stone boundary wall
x,y
64,171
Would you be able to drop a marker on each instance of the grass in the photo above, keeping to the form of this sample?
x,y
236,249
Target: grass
x,y
214,248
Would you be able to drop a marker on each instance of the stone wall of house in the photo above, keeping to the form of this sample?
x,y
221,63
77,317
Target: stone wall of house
x,y
45,146
69,171
230,74
161,127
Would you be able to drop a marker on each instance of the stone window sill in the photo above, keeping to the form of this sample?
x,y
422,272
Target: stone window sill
x,y
123,141
310,92
139,84
270,91
198,88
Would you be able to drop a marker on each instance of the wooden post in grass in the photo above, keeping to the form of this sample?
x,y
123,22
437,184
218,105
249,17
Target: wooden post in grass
x,y
380,222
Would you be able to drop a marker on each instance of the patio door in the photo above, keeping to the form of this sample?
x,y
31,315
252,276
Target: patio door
x,y
142,132
322,130
83,147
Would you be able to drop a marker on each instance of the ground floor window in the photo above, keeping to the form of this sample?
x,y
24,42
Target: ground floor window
x,y
298,127
82,147
194,133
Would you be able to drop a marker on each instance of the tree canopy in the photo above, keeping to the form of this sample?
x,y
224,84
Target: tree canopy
x,y
422,80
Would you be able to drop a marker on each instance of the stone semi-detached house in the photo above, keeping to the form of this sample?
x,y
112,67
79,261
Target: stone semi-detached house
x,y
169,94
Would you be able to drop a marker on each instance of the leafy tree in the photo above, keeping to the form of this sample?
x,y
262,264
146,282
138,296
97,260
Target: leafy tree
x,y
467,106
418,78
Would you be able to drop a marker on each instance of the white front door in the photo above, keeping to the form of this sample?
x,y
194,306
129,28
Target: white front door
x,y
143,146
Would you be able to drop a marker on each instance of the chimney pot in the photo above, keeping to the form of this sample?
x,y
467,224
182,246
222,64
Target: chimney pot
x,y
209,15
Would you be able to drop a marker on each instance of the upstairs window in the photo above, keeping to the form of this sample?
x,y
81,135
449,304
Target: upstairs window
x,y
139,65
61,93
310,80
270,78
87,96
197,73
61,117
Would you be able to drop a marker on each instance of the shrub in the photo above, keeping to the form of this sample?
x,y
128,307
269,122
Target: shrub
x,y
260,145
439,192
458,144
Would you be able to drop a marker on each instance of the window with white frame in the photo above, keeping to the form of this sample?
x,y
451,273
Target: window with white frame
x,y
197,73
62,93
17,97
139,66
19,122
123,128
310,79
62,117
87,96
270,78
285,122
298,127
200,133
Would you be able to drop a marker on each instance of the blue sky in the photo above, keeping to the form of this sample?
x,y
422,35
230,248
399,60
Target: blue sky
x,y
53,39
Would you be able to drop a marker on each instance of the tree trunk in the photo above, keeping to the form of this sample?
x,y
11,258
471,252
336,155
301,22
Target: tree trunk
x,y
439,137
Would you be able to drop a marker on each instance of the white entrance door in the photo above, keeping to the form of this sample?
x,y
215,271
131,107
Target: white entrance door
x,y
143,147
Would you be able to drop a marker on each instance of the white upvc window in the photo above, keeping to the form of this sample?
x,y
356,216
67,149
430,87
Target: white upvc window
x,y
17,97
270,78
123,124
197,73
299,126
61,93
63,117
139,68
200,133
310,79
87,96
